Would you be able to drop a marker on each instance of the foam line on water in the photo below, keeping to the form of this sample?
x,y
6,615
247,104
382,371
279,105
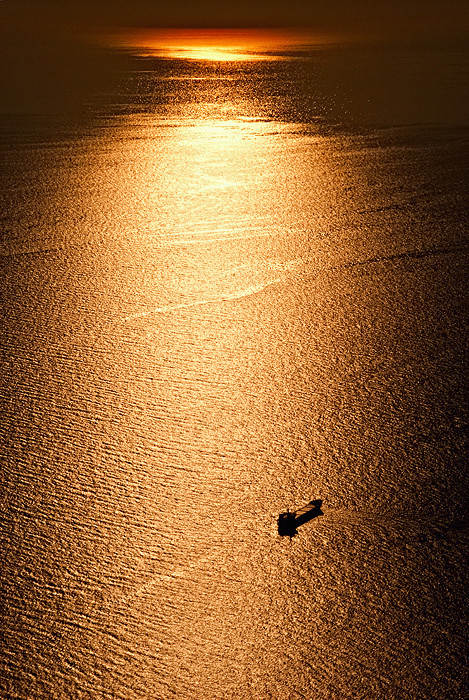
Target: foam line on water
x,y
169,308
180,572
216,239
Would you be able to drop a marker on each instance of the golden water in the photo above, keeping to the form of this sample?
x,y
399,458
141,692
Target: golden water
x,y
220,301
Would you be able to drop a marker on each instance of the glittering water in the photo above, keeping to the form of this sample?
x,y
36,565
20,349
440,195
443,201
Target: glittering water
x,y
223,295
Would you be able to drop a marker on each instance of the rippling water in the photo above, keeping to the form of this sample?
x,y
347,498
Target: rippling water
x,y
225,294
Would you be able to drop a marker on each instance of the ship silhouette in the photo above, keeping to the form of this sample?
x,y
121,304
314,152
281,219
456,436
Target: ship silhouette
x,y
289,522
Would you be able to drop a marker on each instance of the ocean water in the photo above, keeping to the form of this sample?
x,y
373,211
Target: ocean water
x,y
229,289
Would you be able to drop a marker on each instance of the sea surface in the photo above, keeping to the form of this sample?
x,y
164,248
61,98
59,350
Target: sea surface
x,y
228,289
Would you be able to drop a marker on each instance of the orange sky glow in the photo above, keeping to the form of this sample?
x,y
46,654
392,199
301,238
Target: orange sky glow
x,y
213,44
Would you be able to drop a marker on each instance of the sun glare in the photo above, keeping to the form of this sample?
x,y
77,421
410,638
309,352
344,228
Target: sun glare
x,y
213,44
208,53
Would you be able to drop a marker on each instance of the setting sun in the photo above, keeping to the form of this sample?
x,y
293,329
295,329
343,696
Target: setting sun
x,y
214,44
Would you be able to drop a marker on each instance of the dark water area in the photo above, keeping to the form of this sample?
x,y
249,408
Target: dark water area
x,y
229,289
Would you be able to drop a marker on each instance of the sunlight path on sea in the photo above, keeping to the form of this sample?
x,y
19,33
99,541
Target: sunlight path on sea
x,y
213,311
